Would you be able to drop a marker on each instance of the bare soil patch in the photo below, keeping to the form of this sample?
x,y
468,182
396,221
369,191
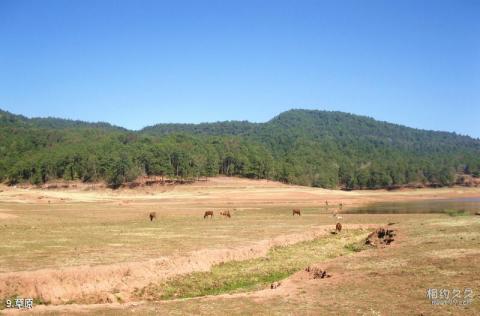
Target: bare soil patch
x,y
7,216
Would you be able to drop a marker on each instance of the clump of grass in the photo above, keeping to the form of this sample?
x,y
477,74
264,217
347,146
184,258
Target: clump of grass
x,y
356,246
240,276
454,213
119,299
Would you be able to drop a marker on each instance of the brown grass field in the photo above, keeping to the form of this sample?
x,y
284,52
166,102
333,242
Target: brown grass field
x,y
79,251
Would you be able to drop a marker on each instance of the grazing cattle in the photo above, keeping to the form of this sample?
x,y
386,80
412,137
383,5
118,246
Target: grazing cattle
x,y
226,213
207,214
152,216
296,211
338,227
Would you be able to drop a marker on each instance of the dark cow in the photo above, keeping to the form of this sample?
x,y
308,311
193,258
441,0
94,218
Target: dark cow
x,y
226,213
296,211
207,214
152,216
338,227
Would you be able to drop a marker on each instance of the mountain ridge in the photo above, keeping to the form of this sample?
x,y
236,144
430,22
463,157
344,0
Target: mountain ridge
x,y
309,147
73,122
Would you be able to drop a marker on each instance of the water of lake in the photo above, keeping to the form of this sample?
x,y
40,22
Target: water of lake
x,y
470,205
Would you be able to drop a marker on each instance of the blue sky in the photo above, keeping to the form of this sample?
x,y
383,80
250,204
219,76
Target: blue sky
x,y
136,63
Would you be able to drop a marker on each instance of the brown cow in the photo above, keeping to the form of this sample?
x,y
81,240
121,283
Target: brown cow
x,y
296,211
226,213
208,213
152,216
338,227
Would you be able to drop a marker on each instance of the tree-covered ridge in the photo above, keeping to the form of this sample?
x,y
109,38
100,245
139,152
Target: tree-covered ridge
x,y
217,128
9,119
318,148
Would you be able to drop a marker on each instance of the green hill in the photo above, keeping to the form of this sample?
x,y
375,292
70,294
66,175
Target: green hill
x,y
307,147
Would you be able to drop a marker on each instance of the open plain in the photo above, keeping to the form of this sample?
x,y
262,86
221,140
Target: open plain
x,y
83,250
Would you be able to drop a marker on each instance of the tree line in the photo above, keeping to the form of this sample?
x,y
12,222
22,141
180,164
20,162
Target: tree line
x,y
314,148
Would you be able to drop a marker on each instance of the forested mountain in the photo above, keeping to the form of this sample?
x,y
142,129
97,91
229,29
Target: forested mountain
x,y
307,147
8,119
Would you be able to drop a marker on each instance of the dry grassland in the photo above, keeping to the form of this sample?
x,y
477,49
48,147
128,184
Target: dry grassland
x,y
72,248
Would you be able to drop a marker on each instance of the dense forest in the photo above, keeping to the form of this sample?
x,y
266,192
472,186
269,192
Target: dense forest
x,y
306,147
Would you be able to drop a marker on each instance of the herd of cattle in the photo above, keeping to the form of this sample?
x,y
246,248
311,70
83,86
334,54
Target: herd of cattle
x,y
296,211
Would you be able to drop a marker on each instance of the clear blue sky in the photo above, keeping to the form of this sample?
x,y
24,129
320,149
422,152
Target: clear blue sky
x,y
135,63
